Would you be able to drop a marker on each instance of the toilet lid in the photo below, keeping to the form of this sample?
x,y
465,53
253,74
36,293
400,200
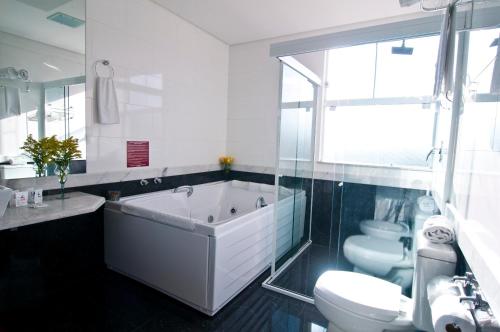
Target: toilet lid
x,y
361,294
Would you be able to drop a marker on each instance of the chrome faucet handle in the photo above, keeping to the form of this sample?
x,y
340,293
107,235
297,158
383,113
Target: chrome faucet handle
x,y
144,182
476,300
468,278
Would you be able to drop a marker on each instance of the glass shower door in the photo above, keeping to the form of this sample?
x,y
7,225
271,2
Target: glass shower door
x,y
295,164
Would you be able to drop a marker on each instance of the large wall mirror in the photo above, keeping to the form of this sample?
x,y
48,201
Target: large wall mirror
x,y
42,79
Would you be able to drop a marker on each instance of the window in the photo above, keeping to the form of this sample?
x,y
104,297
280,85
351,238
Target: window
x,y
378,108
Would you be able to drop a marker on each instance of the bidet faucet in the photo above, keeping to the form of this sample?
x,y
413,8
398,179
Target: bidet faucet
x,y
260,203
187,189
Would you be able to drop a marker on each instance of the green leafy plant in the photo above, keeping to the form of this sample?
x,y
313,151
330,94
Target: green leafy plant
x,y
41,152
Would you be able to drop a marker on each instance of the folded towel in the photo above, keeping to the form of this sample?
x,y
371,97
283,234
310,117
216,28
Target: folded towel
x,y
446,53
495,79
106,102
439,229
10,104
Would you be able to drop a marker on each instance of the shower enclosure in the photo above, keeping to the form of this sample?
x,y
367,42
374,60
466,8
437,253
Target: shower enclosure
x,y
295,163
363,138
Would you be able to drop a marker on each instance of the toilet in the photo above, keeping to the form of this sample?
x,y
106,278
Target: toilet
x,y
379,252
380,258
356,302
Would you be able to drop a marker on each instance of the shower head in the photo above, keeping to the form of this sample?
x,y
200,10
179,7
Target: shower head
x,y
408,3
402,50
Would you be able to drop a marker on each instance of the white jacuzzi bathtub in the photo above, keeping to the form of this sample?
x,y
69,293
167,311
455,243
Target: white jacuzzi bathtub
x,y
166,241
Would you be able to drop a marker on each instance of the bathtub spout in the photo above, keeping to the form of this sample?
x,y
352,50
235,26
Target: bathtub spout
x,y
261,202
187,189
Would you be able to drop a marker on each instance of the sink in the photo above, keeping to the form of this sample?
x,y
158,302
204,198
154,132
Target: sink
x,y
384,229
5,195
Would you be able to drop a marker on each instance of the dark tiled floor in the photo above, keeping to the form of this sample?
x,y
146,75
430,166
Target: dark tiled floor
x,y
301,275
112,302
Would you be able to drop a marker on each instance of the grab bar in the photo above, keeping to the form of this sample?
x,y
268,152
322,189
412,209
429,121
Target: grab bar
x,y
187,189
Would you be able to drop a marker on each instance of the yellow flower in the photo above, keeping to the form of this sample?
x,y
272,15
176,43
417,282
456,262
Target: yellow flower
x,y
226,160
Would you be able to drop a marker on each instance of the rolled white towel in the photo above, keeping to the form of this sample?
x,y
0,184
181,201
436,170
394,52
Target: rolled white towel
x,y
439,229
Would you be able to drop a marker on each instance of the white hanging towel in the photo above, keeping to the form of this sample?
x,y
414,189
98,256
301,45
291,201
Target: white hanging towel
x,y
106,102
446,53
495,79
10,104
439,229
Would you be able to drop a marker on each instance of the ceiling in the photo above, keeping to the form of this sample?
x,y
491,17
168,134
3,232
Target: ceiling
x,y
241,21
28,18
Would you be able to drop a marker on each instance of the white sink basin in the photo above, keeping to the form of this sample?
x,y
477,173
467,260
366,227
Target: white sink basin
x,y
384,229
5,195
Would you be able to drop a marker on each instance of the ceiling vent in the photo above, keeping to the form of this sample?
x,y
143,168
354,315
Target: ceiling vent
x,y
66,20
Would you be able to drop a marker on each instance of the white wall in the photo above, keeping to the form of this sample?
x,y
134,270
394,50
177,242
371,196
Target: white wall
x,y
171,80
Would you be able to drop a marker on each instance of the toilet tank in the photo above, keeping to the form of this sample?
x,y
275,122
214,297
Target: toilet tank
x,y
431,260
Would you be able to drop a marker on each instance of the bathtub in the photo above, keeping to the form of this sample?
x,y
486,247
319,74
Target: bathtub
x,y
204,248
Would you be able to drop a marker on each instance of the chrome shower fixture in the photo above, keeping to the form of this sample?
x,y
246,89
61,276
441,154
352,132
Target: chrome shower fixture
x,y
13,74
408,3
402,50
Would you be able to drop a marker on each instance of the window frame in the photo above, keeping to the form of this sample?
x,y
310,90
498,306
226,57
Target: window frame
x,y
327,103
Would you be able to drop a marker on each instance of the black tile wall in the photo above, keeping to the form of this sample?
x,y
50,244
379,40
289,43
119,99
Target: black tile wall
x,y
60,257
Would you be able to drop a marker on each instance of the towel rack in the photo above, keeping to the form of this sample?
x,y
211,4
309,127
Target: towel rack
x,y
106,63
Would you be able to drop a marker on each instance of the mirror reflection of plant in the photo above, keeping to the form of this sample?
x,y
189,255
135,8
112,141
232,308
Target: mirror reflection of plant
x,y
41,152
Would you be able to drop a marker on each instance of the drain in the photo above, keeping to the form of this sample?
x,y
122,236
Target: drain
x,y
210,218
233,210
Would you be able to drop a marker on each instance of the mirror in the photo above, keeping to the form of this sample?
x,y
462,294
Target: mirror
x,y
42,79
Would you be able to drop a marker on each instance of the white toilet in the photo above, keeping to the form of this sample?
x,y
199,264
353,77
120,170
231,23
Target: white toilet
x,y
355,302
380,253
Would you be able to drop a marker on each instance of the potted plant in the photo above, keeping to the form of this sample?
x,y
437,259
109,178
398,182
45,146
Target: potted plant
x,y
41,152
226,162
67,150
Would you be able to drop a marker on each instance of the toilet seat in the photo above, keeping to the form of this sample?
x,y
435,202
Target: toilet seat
x,y
361,294
384,229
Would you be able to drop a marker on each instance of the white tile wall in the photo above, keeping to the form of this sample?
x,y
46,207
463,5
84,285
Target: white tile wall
x,y
253,104
475,205
171,80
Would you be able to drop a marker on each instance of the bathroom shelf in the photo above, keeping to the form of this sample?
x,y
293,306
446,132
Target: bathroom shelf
x,y
75,204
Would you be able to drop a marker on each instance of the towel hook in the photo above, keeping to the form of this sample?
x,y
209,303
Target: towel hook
x,y
106,63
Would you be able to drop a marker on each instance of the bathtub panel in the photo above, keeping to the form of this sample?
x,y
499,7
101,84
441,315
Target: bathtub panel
x,y
171,259
241,255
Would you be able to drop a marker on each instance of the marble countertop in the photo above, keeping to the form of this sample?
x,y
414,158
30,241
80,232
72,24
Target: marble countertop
x,y
75,204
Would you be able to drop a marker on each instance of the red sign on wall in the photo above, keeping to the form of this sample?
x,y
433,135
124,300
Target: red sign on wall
x,y
137,153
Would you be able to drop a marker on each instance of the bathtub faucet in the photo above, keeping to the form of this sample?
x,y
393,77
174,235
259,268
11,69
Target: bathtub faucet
x,y
187,189
261,202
